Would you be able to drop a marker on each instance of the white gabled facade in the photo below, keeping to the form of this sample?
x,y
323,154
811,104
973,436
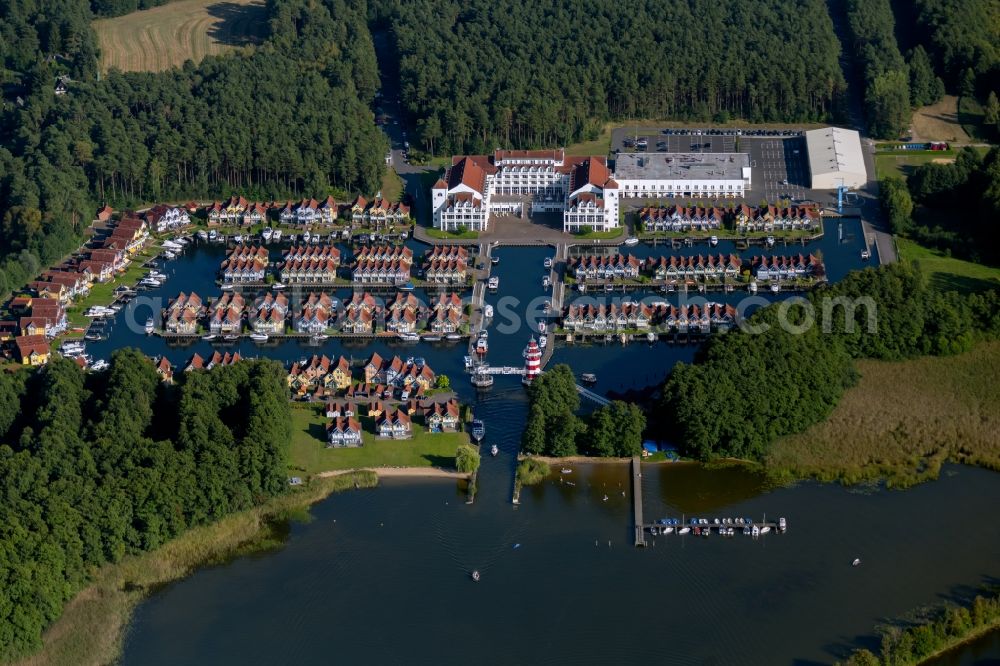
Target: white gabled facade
x,y
476,186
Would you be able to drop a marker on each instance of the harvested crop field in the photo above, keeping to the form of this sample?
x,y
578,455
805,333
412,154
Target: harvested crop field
x,y
939,122
903,420
156,39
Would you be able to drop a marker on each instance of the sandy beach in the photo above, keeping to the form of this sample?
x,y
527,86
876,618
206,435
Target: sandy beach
x,y
412,472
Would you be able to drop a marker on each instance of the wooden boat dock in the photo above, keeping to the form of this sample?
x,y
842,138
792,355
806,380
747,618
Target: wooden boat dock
x,y
640,528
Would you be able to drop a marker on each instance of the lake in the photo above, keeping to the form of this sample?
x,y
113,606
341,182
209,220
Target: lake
x,y
383,575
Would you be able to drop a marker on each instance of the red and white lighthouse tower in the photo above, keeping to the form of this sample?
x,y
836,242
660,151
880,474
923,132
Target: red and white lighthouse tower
x,y
532,361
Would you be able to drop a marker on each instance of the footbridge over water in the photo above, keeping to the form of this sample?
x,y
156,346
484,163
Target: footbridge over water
x,y
590,395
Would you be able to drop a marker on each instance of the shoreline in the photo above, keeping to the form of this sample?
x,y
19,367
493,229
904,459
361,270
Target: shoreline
x,y
398,472
92,627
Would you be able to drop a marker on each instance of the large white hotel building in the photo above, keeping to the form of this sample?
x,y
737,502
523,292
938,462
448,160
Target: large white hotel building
x,y
583,189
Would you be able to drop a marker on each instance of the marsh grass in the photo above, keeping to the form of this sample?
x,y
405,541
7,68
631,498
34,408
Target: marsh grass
x,y
902,421
92,625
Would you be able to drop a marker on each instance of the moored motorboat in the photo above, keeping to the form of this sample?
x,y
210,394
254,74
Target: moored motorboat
x,y
232,337
589,378
482,346
209,337
259,337
543,342
432,337
684,530
409,337
775,288
150,326
713,240
494,283
488,311
631,241
409,286
547,263
478,430
782,525
267,234
765,529
495,260
453,336
770,241
278,286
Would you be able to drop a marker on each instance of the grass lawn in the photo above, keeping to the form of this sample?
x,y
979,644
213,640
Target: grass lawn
x,y
599,146
309,454
902,163
447,235
903,420
949,273
156,39
600,235
971,115
392,185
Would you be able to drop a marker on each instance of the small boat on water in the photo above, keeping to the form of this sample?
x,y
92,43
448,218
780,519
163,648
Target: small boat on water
x,y
432,337
228,287
566,470
475,575
666,530
684,530
547,263
306,236
541,326
494,450
765,529
866,254
631,241
409,337
478,430
651,337
482,346
488,311
588,378
209,337
494,283
202,235
713,240
782,525
150,326
453,336
482,380
267,234
319,337
278,286
259,337
770,241
543,342
238,239
775,288
99,365
495,260
856,562
752,287
232,337
409,286
213,235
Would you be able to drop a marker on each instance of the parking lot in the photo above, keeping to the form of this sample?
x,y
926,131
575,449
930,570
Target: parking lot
x,y
778,159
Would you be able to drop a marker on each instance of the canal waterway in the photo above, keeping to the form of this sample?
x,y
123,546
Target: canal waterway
x,y
383,575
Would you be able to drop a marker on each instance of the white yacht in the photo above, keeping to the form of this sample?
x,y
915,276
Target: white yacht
x,y
494,283
267,234
259,337
631,241
488,311
713,241
494,450
150,326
